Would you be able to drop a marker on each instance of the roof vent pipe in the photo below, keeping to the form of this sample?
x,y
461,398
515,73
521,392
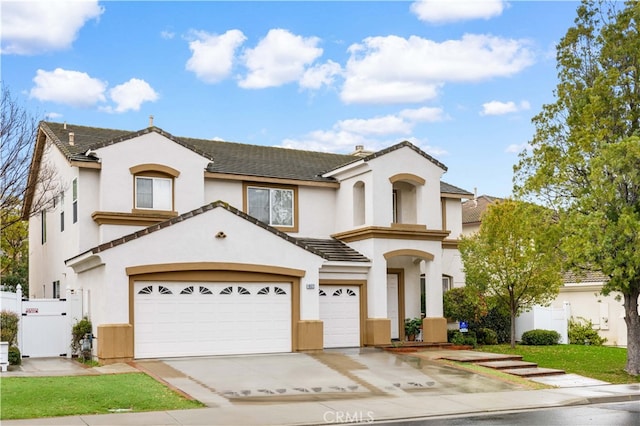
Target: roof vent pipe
x,y
151,121
72,138
65,125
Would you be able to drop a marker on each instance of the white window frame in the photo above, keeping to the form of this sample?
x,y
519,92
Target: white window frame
x,y
75,199
290,219
447,283
158,202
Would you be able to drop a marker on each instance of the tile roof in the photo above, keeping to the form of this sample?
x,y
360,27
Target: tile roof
x,y
331,249
334,250
450,189
584,277
227,157
472,210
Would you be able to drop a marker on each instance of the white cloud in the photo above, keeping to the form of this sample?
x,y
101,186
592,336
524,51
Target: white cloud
x,y
501,108
279,58
167,35
130,95
517,148
52,116
68,87
373,133
213,55
425,114
30,27
393,69
443,11
389,124
320,75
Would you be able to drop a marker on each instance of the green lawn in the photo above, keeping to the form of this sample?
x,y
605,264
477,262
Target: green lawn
x,y
34,397
599,362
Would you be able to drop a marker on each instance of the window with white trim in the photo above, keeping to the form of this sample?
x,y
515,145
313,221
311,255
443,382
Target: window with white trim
x,y
153,193
43,226
75,200
61,211
56,289
273,206
446,283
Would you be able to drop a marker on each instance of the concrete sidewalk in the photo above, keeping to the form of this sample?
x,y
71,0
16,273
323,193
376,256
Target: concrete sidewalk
x,y
357,410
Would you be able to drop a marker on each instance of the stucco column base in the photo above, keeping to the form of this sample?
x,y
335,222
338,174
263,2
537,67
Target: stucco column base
x,y
378,332
115,343
310,335
434,330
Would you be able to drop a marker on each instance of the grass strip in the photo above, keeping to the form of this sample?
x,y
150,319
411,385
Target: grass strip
x,y
37,397
604,363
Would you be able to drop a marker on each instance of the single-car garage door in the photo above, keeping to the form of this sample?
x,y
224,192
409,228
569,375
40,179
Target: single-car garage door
x,y
203,318
340,313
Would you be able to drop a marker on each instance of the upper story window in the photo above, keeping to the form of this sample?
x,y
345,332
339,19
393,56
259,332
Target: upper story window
x,y
275,206
153,187
74,199
43,226
154,193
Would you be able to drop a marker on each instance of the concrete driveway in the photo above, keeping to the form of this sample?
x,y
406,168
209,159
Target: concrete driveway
x,y
330,374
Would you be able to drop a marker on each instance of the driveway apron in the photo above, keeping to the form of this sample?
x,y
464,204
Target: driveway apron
x,y
326,375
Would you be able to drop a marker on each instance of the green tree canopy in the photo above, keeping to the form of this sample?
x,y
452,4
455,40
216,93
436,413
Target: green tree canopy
x,y
513,257
584,156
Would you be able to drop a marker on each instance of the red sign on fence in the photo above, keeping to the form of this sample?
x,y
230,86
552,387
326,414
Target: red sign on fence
x,y
32,310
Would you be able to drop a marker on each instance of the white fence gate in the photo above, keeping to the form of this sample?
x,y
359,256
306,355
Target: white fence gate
x,y
545,318
45,324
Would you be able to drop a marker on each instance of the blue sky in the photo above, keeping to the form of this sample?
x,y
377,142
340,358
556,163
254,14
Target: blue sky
x,y
460,79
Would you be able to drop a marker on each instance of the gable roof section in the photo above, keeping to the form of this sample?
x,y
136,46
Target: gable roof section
x,y
404,144
447,188
332,250
86,138
226,157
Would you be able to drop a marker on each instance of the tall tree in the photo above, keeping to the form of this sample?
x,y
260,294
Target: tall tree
x,y
18,131
14,266
584,152
513,257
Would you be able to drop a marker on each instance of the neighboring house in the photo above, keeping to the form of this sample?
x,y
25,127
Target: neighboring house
x,y
472,211
606,313
581,294
185,246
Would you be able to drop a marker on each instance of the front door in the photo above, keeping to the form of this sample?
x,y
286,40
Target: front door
x,y
392,305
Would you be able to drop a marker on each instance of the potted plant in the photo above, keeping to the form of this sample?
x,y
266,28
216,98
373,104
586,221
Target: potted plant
x,y
412,327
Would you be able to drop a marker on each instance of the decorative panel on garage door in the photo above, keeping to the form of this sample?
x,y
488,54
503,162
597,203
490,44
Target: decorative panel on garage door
x,y
197,318
340,313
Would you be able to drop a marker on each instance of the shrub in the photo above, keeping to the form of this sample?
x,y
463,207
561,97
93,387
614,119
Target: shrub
x,y
581,332
458,338
486,336
499,321
9,326
14,356
540,337
78,332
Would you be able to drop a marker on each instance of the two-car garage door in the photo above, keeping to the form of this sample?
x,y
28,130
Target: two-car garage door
x,y
207,318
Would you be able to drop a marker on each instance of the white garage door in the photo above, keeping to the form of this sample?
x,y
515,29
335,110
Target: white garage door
x,y
340,313
195,318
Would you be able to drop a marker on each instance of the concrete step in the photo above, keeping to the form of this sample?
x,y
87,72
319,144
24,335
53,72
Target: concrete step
x,y
533,372
507,364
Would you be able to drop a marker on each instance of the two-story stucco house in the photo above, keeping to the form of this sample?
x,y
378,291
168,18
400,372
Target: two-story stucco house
x,y
184,246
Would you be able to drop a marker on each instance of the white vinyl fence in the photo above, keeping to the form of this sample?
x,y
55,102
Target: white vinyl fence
x,y
45,324
545,318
